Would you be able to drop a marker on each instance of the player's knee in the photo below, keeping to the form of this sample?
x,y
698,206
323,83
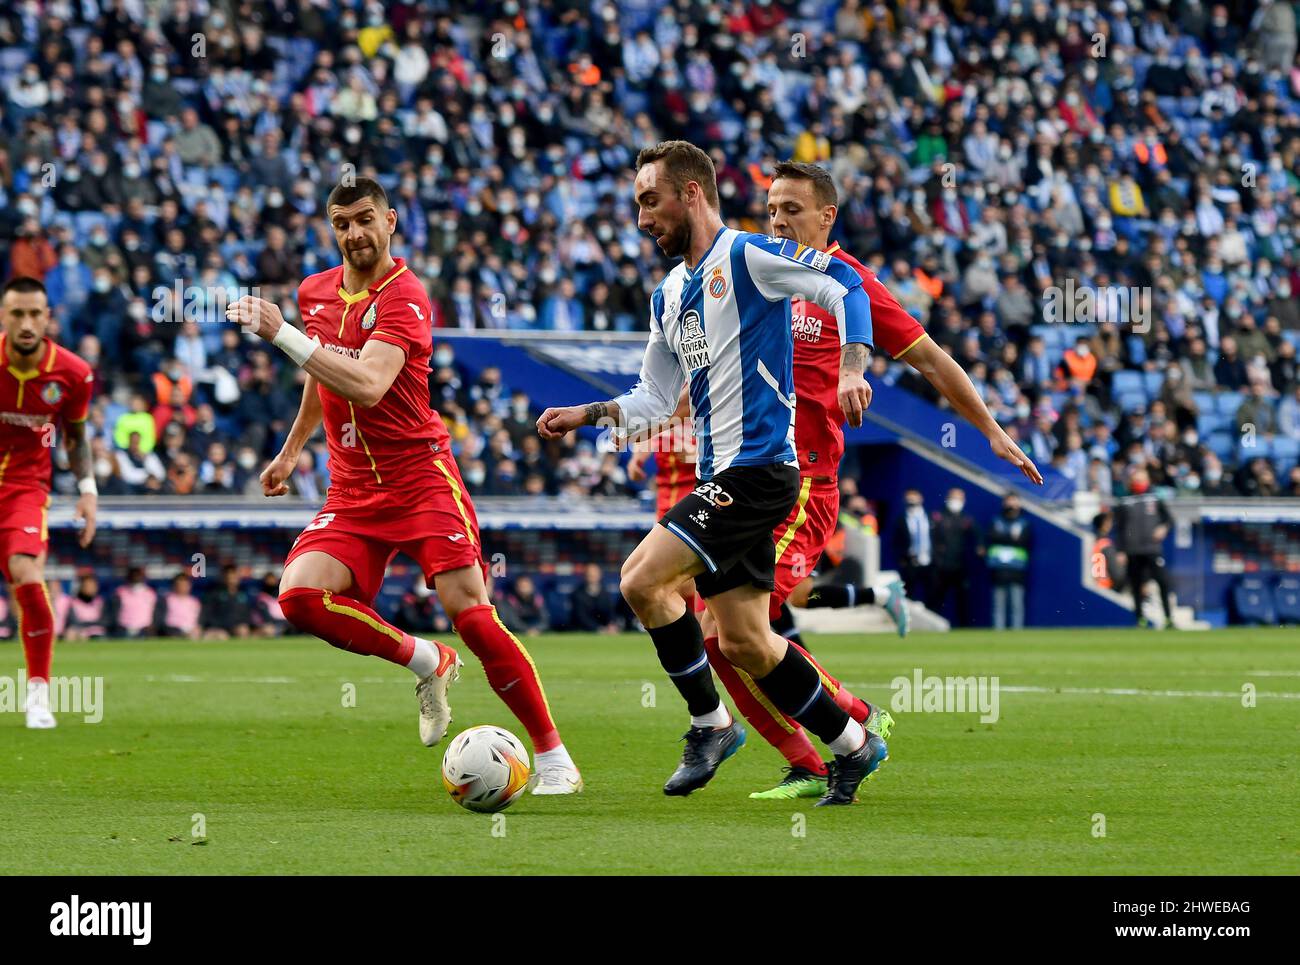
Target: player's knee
x,y
300,606
738,650
25,569
637,590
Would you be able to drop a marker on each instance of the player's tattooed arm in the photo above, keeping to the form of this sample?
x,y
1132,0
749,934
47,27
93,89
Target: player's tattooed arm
x,y
854,392
77,444
853,358
558,421
82,463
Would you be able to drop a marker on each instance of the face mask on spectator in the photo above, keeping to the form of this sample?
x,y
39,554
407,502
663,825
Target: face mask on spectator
x,y
955,505
103,283
475,477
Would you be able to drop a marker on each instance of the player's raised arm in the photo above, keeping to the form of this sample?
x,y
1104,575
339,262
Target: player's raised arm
x,y
362,381
638,412
275,476
952,382
785,269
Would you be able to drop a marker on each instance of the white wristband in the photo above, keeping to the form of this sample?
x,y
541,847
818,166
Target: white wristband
x,y
295,344
87,486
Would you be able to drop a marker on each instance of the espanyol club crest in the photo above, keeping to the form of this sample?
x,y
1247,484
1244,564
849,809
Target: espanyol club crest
x,y
51,393
717,284
368,322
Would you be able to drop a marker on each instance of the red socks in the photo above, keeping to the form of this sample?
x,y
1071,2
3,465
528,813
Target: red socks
x,y
346,623
36,628
778,730
510,671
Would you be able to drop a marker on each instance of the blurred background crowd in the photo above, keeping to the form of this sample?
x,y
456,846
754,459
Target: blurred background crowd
x,y
987,153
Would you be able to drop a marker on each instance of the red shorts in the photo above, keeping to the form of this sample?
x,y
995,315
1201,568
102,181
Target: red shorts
x,y
434,525
24,526
804,535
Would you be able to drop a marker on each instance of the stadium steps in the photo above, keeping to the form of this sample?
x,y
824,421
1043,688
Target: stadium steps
x,y
868,619
1184,616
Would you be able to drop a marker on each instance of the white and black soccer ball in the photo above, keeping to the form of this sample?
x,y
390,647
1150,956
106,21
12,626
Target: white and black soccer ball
x,y
485,768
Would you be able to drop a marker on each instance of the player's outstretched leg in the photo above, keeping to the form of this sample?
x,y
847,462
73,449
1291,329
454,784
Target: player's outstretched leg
x,y
794,685
806,775
36,630
891,597
874,718
511,673
313,600
649,582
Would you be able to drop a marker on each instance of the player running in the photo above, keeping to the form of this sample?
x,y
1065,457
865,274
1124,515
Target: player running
x,y
802,205
718,323
41,385
395,486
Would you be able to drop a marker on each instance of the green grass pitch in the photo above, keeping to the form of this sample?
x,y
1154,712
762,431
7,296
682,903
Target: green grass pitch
x,y
1145,729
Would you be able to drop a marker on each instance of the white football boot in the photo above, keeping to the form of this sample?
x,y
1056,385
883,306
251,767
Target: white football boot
x,y
556,776
435,711
38,706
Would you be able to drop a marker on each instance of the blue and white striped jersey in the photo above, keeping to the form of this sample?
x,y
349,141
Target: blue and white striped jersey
x,y
725,328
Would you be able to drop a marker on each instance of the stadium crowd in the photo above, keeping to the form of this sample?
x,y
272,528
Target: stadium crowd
x,y
988,153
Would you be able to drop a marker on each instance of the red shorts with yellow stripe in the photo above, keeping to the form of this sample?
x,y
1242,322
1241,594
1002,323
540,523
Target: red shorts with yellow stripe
x,y
434,525
24,529
804,535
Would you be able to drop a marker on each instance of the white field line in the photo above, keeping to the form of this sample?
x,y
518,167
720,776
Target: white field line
x,y
1003,688
1101,691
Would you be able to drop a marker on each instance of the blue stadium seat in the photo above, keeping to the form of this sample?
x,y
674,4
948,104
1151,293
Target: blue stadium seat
x,y
1126,382
1205,404
1209,423
1252,599
1259,448
1286,452
226,176
13,59
1129,401
1230,402
1154,381
1137,349
1222,444
1286,597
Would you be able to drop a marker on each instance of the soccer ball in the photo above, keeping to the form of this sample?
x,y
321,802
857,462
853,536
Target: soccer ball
x,y
485,769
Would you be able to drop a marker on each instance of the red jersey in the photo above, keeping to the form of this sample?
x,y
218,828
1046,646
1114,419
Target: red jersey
x,y
819,423
676,453
388,447
31,404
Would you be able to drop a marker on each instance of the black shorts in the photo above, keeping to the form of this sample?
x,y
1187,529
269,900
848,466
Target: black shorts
x,y
728,522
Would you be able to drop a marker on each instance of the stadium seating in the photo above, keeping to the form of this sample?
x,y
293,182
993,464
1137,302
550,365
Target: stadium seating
x,y
1252,601
1287,598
